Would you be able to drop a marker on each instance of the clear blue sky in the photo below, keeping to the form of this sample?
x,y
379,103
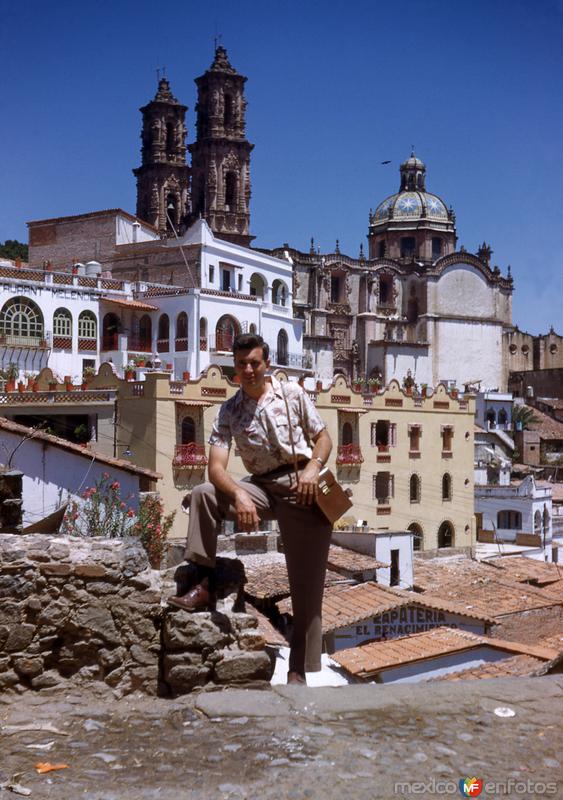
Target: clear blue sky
x,y
334,88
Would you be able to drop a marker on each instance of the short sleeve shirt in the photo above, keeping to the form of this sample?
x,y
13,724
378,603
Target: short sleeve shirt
x,y
261,431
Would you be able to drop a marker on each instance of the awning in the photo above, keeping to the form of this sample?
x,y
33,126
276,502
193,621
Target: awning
x,y
129,304
194,403
353,410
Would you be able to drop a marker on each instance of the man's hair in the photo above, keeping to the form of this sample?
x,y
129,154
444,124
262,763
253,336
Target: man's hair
x,y
248,341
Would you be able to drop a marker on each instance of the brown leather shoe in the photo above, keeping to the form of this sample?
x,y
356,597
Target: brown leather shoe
x,y
197,599
296,677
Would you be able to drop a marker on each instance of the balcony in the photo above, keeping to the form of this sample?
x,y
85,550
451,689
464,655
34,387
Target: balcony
x,y
28,342
87,345
163,345
189,455
181,344
138,344
349,455
110,342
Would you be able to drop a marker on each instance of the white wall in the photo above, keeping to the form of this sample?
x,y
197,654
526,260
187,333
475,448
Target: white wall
x,y
379,546
51,475
444,665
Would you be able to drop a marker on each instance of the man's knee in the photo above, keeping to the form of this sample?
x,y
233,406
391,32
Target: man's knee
x,y
197,493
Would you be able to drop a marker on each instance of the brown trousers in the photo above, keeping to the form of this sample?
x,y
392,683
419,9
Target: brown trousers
x,y
306,537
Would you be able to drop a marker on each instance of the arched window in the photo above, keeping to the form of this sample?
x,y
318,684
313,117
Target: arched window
x,y
252,328
279,293
257,285
502,417
22,319
347,433
436,247
227,110
446,535
111,327
188,430
145,334
537,522
62,323
226,330
412,310
87,325
203,334
509,520
282,354
408,246
182,331
491,417
381,252
545,520
446,486
230,191
414,489
163,336
416,530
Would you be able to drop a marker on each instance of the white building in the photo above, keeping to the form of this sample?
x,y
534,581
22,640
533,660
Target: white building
x,y
519,514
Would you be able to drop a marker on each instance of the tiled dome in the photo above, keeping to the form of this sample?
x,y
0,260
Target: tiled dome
x,y
411,205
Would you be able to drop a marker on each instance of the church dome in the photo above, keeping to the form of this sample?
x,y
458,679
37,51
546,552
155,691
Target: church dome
x,y
412,201
411,205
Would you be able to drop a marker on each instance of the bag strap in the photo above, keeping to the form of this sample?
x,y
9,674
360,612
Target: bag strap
x,y
294,454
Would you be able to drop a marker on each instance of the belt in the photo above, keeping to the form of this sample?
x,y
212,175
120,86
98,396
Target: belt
x,y
283,470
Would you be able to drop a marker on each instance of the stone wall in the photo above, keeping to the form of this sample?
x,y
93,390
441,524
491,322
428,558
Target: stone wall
x,y
90,610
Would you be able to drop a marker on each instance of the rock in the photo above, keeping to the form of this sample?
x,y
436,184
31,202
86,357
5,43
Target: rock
x,y
8,679
96,619
59,551
242,666
29,667
54,614
114,677
134,558
110,659
4,630
47,680
142,656
181,659
19,637
144,678
182,679
251,640
90,571
16,587
33,604
185,631
55,569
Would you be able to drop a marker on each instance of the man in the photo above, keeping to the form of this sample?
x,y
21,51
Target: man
x,y
256,417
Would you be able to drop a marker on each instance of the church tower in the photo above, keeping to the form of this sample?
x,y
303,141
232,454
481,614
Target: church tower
x,y
221,153
163,177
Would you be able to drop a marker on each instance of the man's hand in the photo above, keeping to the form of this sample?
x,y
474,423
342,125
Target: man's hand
x,y
308,486
247,516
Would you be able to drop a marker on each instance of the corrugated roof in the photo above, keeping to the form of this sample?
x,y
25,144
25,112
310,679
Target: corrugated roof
x,y
369,659
344,606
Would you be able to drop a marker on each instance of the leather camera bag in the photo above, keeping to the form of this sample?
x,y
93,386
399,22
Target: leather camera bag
x,y
332,499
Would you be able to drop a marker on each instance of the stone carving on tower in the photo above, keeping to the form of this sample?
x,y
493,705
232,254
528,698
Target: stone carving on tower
x,y
221,153
163,177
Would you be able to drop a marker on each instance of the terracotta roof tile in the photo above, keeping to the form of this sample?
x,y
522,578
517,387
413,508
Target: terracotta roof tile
x,y
369,659
528,570
521,666
481,586
124,303
271,635
270,580
347,605
351,561
547,427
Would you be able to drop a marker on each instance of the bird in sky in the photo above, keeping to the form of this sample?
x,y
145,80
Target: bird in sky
x,y
385,162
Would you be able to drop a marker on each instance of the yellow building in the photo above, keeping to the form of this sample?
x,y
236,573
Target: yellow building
x,y
408,460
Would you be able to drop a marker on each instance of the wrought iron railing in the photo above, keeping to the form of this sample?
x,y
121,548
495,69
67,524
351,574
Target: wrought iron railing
x,y
348,454
189,455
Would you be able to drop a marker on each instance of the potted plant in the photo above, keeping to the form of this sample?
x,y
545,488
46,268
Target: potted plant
x,y
88,373
11,374
139,361
454,392
424,389
185,376
358,383
69,386
81,434
53,385
374,384
130,371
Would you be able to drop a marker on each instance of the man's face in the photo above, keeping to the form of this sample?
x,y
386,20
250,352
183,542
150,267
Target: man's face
x,y
251,367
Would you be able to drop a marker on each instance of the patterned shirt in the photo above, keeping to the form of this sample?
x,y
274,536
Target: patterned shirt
x,y
261,431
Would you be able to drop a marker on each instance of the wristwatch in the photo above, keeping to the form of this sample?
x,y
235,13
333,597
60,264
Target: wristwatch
x,y
316,458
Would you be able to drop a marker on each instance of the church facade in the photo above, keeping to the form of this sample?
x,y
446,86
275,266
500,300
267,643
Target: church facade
x,y
416,308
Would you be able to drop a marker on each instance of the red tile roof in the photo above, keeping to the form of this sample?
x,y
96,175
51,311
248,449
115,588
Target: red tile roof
x,y
368,659
528,570
124,303
90,455
514,667
351,561
270,580
271,635
348,605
